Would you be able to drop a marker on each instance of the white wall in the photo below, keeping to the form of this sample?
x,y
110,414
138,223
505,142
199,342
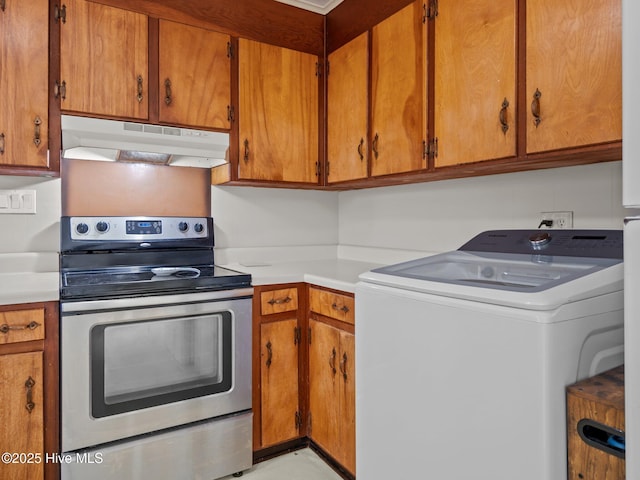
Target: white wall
x,y
40,232
441,216
273,224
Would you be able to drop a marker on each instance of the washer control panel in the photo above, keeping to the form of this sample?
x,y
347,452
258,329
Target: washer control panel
x,y
137,228
568,243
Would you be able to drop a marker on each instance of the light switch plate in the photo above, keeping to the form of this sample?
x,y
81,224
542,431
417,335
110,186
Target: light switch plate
x,y
17,201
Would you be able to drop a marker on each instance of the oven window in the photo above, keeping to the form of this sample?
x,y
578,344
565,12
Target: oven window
x,y
137,365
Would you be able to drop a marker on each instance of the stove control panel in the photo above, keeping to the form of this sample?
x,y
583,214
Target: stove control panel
x,y
137,228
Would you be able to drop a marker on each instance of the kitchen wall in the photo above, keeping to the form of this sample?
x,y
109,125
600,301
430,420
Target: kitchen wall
x,y
391,224
22,233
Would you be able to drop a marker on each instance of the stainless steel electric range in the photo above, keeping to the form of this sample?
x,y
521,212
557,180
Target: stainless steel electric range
x,y
155,351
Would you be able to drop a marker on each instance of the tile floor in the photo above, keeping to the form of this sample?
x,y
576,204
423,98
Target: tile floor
x,y
299,465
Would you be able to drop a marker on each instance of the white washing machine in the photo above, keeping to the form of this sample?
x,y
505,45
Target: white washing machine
x,y
462,358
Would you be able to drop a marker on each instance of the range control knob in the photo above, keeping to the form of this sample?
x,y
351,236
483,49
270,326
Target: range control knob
x,y
183,226
198,227
539,239
82,228
102,227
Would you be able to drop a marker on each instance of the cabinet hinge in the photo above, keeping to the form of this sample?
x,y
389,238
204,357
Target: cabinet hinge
x,y
297,334
431,11
60,90
318,169
60,13
230,113
298,420
327,171
230,52
319,68
432,149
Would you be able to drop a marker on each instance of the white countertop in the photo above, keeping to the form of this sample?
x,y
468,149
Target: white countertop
x,y
29,278
337,274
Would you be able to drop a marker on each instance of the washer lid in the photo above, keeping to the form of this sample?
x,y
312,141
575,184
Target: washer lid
x,y
499,271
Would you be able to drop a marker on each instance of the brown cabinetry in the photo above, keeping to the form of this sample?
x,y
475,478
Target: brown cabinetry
x,y
332,374
104,61
475,81
24,80
278,114
195,76
573,73
29,394
277,405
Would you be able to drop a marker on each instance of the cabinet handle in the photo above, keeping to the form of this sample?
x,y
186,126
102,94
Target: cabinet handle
x,y
36,136
5,328
343,366
246,149
332,361
360,146
1,143
374,146
167,92
343,308
29,384
140,96
279,301
269,354
503,116
535,107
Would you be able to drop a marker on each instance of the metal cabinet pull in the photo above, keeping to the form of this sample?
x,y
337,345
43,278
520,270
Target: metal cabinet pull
x,y
332,361
360,146
246,149
535,107
6,328
279,301
374,146
29,384
269,354
343,366
140,96
167,92
1,143
343,308
36,136
503,116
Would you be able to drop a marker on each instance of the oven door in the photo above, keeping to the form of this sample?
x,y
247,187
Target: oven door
x,y
135,366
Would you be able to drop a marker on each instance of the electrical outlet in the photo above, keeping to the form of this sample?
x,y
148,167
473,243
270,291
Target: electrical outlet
x,y
557,219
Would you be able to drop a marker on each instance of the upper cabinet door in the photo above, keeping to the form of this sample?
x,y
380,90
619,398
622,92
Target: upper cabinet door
x,y
195,76
475,81
399,92
574,73
347,105
104,60
24,54
278,114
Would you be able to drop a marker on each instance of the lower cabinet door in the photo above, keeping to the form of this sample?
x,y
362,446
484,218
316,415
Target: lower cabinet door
x,y
279,381
21,414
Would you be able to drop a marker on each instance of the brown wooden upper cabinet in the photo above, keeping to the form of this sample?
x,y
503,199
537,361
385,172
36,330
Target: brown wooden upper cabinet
x,y
24,50
475,81
278,114
195,76
574,73
347,111
104,61
398,96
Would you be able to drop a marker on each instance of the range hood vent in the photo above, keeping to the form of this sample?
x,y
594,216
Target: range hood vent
x,y
112,140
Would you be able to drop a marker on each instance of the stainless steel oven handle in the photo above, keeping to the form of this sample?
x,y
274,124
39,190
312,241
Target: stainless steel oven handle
x,y
67,307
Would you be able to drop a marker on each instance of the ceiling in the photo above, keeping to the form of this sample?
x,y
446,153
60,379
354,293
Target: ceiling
x,y
317,6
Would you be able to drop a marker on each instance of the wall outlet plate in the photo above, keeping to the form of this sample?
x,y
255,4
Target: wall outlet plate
x,y
557,219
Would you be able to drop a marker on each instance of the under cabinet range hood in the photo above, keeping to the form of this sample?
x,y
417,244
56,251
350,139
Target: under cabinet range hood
x,y
112,140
